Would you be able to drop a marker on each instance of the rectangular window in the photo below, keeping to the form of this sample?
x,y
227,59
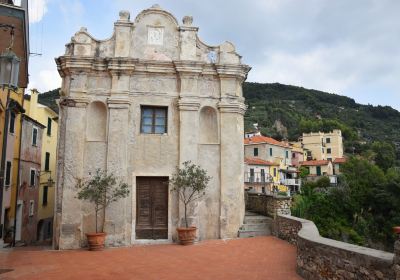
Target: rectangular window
x,y
45,192
32,177
293,155
328,140
31,207
12,123
34,136
49,126
153,120
262,175
8,174
256,152
270,152
287,154
328,150
47,162
274,172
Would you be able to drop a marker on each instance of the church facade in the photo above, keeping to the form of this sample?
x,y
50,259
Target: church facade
x,y
138,105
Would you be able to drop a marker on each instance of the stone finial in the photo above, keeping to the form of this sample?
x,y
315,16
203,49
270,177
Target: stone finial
x,y
156,6
124,15
187,20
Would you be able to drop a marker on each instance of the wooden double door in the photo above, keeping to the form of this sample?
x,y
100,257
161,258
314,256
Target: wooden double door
x,y
152,208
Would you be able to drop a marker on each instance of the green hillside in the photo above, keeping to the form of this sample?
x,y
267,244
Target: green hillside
x,y
284,111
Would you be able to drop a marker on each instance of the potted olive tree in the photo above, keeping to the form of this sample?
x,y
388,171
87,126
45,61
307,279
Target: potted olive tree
x,y
189,182
101,189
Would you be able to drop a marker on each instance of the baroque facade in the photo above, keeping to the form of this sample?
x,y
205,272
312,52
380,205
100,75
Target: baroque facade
x,y
138,105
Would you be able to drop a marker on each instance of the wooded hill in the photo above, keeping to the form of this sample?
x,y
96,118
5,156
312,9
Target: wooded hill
x,y
284,111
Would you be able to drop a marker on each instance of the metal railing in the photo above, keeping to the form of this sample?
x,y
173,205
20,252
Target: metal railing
x,y
257,177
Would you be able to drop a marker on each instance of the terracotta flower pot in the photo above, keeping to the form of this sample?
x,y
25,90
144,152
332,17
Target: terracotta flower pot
x,y
187,235
396,230
96,241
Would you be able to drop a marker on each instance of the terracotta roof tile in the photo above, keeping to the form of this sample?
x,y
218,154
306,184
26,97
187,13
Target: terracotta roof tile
x,y
314,162
258,139
339,160
258,161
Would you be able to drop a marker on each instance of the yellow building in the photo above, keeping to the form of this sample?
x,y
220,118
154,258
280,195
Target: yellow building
x,y
323,146
48,118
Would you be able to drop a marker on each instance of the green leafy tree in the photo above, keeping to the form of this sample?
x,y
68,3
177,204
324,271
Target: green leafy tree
x,y
385,154
190,183
101,189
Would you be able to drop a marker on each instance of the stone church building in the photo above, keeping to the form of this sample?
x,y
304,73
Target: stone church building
x,y
138,105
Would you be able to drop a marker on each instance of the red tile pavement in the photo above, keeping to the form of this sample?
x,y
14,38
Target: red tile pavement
x,y
250,258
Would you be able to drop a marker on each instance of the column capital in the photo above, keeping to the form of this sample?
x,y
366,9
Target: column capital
x,y
118,103
80,102
188,105
232,107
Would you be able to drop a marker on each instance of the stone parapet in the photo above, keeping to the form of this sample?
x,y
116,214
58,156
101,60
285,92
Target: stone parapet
x,y
323,258
268,205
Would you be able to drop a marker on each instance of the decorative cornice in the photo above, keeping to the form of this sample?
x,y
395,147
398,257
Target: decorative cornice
x,y
233,70
189,66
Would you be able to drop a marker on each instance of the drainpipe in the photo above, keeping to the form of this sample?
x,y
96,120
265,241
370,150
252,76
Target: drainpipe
x,y
18,174
3,159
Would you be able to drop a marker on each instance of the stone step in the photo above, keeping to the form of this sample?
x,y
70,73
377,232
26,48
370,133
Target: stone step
x,y
253,233
257,219
252,227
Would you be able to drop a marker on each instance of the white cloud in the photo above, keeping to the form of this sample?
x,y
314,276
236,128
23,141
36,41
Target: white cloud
x,y
37,10
46,80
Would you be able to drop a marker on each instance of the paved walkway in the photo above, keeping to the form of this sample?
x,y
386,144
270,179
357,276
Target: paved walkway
x,y
250,258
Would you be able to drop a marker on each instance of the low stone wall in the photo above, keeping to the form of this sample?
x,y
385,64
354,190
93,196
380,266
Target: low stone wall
x,y
268,205
323,258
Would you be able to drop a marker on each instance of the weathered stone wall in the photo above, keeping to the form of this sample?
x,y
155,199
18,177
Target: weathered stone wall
x,y
323,258
268,205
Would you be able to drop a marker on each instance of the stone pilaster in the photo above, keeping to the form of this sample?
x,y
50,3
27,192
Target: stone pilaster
x,y
117,226
188,39
232,191
68,224
123,29
396,259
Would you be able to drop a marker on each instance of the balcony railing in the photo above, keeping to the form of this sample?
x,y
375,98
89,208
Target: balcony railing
x,y
257,177
291,182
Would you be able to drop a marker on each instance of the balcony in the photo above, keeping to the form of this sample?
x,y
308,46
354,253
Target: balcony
x,y
257,177
291,182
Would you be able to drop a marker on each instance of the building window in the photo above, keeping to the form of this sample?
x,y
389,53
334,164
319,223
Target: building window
x,y
47,162
328,150
49,126
293,155
287,154
274,172
262,175
34,136
328,140
31,207
45,192
255,152
12,123
8,174
270,152
153,120
251,175
32,178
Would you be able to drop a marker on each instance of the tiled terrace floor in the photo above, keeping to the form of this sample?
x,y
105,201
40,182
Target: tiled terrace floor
x,y
251,258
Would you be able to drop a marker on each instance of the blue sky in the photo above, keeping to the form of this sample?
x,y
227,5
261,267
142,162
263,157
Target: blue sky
x,y
350,48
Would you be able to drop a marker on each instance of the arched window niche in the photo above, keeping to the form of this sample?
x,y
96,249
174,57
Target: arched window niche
x,y
208,125
96,128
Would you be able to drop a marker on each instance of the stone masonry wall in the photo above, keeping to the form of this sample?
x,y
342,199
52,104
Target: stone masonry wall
x,y
323,258
268,205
